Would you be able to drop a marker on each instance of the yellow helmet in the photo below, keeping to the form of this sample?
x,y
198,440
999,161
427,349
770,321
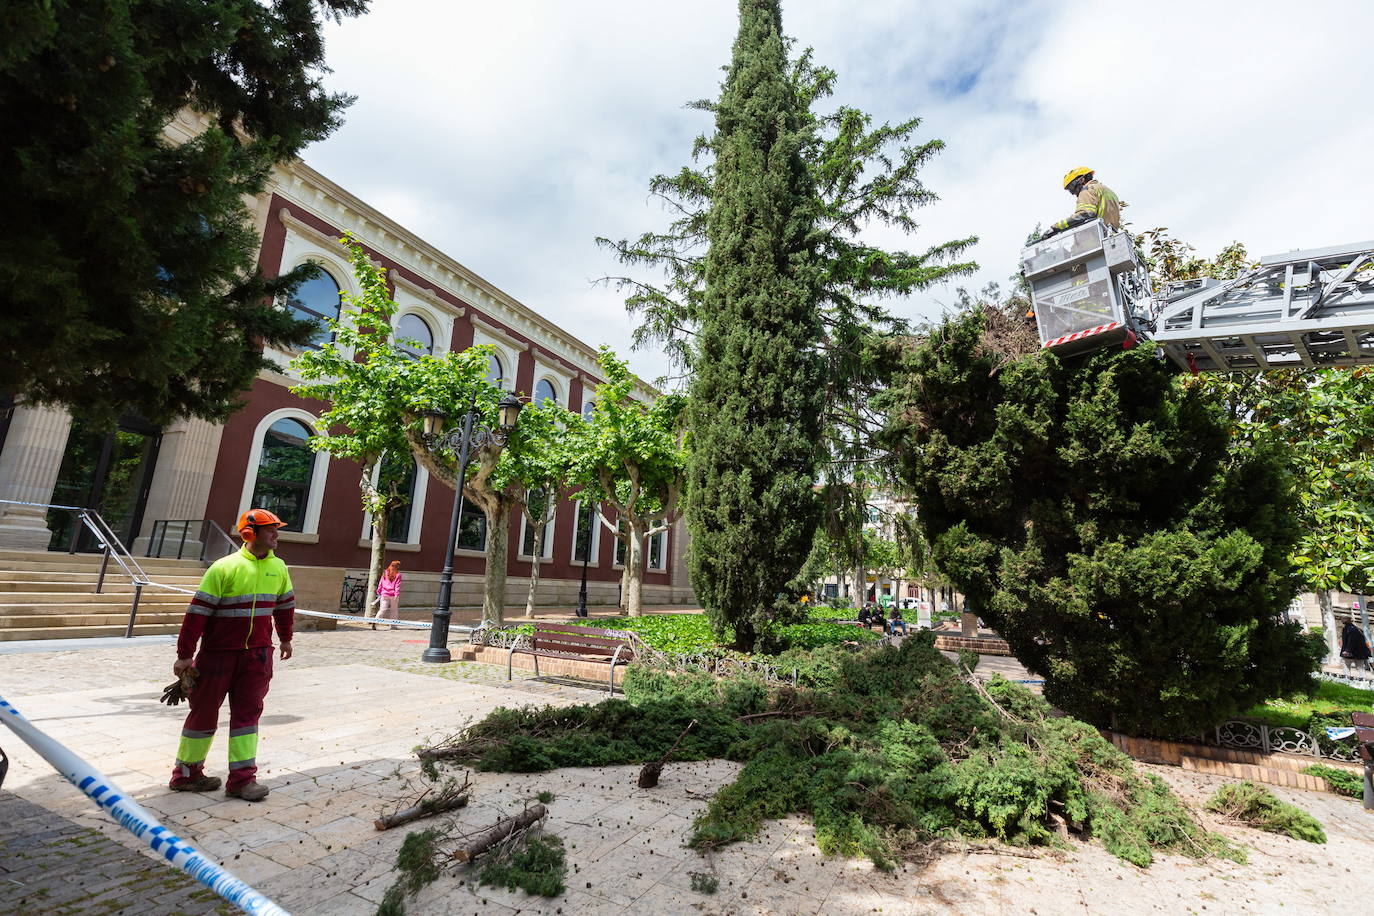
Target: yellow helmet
x,y
1075,173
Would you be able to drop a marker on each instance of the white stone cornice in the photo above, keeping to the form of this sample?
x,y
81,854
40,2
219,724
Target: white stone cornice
x,y
500,333
427,294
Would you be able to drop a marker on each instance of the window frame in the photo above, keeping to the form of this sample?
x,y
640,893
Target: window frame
x,y
319,473
426,320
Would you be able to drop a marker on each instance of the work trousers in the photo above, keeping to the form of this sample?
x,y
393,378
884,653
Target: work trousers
x,y
243,675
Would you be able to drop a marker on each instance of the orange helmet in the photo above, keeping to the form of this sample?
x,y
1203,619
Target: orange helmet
x,y
256,518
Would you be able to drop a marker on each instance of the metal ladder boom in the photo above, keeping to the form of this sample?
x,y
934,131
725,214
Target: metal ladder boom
x,y
1312,309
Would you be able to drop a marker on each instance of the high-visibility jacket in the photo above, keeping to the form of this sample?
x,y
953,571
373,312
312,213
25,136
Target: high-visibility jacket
x,y
1095,201
236,597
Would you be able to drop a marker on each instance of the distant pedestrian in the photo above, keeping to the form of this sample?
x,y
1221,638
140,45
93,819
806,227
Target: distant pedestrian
x,y
389,593
1354,648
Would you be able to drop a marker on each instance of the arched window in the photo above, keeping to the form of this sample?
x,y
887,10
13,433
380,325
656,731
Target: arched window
x,y
285,471
414,337
544,391
587,410
398,521
496,373
317,299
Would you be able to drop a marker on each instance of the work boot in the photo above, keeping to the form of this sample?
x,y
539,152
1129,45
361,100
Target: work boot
x,y
249,791
199,784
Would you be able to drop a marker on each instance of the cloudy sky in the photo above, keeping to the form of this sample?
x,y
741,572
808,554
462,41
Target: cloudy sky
x,y
511,135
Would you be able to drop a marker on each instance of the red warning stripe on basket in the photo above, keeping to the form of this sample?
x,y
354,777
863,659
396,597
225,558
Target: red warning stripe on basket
x,y
1079,335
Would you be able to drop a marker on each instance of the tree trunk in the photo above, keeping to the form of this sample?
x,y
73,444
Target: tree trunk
x,y
378,557
1329,630
538,555
633,578
377,561
498,548
860,586
504,828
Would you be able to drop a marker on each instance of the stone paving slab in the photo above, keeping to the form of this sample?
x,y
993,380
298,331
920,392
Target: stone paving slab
x,y
341,724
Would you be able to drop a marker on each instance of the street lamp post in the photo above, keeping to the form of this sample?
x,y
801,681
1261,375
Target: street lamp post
x,y
586,557
465,440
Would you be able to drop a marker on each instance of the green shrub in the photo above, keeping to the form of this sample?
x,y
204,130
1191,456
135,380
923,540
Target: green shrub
x,y
1342,782
1260,808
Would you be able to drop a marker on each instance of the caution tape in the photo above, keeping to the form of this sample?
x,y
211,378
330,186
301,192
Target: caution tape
x,y
390,621
136,819
395,622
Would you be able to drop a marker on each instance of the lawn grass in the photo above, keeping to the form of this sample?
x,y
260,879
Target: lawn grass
x,y
692,633
1331,699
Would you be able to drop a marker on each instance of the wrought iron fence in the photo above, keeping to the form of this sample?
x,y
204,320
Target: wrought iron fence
x,y
1269,739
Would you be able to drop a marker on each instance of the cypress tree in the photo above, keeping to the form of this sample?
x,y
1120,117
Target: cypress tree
x,y
756,397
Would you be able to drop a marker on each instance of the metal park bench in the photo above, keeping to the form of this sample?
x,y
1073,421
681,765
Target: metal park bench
x,y
569,641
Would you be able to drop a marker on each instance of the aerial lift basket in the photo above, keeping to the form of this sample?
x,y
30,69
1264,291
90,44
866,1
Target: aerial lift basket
x,y
1082,284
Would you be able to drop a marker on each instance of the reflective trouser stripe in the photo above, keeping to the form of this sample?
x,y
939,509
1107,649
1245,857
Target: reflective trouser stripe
x,y
194,746
243,747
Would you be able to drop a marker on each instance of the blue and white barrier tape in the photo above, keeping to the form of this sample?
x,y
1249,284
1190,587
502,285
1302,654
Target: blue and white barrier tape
x,y
416,624
136,819
422,625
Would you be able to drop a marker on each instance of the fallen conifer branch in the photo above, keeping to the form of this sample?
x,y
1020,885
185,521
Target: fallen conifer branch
x,y
648,774
450,798
475,844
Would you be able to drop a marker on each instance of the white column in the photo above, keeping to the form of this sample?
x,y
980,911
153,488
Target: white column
x,y
29,466
181,480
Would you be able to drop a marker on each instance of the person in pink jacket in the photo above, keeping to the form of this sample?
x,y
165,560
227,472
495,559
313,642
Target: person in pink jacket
x,y
389,592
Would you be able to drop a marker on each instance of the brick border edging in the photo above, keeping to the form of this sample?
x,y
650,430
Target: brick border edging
x,y
562,667
1275,769
983,645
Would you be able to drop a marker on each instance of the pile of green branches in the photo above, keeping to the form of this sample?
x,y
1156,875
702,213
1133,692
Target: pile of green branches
x,y
891,751
1262,809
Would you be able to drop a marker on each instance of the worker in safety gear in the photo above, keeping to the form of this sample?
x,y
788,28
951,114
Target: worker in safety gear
x,y
240,599
1094,200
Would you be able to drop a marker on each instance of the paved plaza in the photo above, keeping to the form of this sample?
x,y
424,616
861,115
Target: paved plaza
x,y
341,723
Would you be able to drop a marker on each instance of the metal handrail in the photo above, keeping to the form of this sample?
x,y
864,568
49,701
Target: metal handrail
x,y
212,538
112,546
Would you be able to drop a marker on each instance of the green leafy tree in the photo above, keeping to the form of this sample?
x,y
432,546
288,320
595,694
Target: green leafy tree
x,y
362,378
754,415
630,455
1093,513
130,279
884,557
544,463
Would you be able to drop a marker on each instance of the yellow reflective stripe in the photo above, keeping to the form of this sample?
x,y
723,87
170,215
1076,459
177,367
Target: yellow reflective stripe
x,y
194,750
243,747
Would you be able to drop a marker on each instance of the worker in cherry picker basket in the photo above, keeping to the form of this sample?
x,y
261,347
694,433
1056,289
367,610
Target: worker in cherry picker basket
x,y
1093,200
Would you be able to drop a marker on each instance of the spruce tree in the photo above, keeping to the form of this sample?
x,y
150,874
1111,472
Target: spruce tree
x,y
130,277
1093,514
754,413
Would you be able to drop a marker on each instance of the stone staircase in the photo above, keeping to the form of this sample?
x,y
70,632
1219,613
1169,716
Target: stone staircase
x,y
47,595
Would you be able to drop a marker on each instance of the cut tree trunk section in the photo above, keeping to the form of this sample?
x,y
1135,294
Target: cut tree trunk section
x,y
479,843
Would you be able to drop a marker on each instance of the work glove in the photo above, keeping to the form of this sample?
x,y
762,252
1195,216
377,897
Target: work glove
x,y
181,688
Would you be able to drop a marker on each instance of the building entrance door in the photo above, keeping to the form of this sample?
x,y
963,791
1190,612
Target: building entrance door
x,y
109,471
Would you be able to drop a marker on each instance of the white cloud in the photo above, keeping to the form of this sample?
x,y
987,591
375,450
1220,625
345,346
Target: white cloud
x,y
511,136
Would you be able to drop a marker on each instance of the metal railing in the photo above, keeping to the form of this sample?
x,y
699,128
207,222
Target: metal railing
x,y
169,533
110,546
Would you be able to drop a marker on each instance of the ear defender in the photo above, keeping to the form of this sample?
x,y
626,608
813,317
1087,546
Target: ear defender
x,y
250,534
